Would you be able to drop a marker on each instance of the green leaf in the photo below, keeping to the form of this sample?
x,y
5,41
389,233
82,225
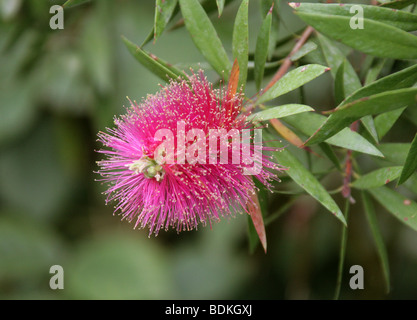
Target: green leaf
x,y
328,151
305,179
335,57
398,4
293,80
261,51
395,152
163,14
410,165
376,233
73,3
348,113
339,92
279,112
349,80
402,79
348,139
378,39
399,19
205,36
220,6
369,124
346,79
401,207
385,121
374,70
377,178
240,42
152,63
308,47
266,7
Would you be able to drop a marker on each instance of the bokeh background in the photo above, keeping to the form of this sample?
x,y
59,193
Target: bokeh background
x,y
58,88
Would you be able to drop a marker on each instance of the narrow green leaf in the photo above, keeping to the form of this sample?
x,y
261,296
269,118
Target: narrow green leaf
x,y
308,47
293,80
279,112
377,178
401,4
240,42
347,82
378,39
209,6
410,165
73,3
374,70
163,14
339,90
402,79
152,63
399,19
261,50
220,6
385,121
350,80
371,76
266,6
395,152
305,179
205,36
369,124
335,58
379,242
348,139
148,38
348,113
401,207
346,79
274,35
328,151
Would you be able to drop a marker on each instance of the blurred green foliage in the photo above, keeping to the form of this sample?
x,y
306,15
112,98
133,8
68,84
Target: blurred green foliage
x,y
58,88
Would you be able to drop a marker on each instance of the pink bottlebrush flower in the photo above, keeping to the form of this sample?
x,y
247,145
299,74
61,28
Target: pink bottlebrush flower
x,y
160,193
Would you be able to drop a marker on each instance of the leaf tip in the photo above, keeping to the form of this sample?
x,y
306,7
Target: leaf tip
x,y
272,7
294,5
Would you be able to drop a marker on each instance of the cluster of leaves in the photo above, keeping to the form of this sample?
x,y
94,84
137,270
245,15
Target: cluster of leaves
x,y
382,91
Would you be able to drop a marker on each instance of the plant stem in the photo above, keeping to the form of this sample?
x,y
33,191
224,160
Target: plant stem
x,y
287,62
342,253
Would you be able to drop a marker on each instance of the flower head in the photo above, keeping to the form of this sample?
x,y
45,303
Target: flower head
x,y
183,179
